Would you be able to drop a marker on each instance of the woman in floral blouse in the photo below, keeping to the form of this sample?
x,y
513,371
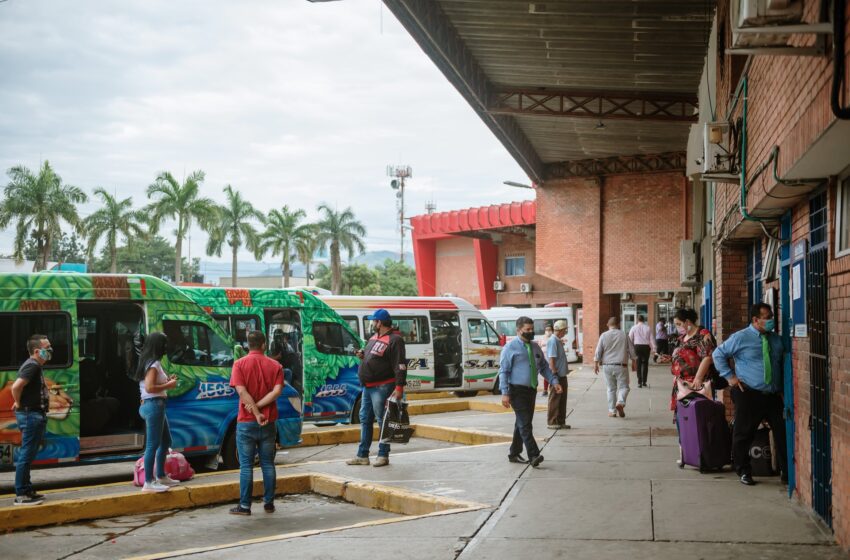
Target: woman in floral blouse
x,y
691,360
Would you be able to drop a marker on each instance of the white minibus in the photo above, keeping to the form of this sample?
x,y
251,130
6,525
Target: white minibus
x,y
504,319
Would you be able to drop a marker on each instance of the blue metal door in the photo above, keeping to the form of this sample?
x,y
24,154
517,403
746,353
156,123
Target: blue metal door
x,y
785,319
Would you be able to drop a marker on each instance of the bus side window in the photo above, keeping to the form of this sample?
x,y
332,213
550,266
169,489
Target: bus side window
x,y
480,332
331,338
18,327
195,344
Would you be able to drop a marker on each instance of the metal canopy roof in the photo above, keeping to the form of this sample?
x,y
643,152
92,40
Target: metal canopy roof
x,y
633,65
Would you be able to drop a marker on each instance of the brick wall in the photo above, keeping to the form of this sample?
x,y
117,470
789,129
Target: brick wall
x,y
545,289
456,272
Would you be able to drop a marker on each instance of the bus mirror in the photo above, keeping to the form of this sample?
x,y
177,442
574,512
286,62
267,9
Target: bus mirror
x,y
503,340
238,352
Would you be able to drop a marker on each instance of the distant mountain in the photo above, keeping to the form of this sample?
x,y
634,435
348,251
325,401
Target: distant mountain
x,y
375,258
213,271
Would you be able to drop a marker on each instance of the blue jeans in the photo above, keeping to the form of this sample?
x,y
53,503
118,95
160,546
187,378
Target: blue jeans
x,y
31,425
372,404
252,438
157,437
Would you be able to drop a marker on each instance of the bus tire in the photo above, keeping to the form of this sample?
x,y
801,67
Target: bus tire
x,y
229,454
355,412
465,394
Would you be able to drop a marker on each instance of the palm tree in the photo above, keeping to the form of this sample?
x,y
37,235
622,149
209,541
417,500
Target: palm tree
x,y
337,231
283,232
39,203
306,247
182,203
234,228
114,218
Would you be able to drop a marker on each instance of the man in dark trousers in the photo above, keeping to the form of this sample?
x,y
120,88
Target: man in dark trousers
x,y
383,374
521,362
31,405
259,381
756,383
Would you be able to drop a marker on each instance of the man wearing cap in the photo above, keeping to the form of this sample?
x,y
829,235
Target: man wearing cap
x,y
557,357
382,373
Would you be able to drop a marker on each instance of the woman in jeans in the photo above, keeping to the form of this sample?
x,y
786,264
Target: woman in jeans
x,y
153,383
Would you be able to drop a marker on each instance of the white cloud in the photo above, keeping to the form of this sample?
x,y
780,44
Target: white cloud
x,y
291,102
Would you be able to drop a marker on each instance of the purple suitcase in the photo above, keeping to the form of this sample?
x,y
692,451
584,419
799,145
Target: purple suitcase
x,y
704,434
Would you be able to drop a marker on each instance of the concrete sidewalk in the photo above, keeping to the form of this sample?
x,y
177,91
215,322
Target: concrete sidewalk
x,y
608,488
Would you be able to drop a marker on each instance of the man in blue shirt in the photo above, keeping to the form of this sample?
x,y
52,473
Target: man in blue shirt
x,y
756,382
521,362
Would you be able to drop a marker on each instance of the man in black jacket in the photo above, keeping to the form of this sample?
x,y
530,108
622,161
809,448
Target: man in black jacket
x,y
382,373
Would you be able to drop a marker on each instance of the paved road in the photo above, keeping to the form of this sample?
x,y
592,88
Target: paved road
x,y
609,488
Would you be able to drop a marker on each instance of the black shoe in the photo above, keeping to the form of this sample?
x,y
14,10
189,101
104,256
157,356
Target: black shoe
x,y
748,480
239,510
27,501
269,508
517,459
36,496
535,461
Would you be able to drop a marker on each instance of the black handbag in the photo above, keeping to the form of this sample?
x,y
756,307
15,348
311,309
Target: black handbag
x,y
396,425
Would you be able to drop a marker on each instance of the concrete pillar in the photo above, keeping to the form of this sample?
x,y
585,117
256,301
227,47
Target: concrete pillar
x,y
487,267
425,254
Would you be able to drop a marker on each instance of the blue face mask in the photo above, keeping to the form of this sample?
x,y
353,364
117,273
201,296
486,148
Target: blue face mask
x,y
769,325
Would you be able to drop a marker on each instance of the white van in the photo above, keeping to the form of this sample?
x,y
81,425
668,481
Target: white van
x,y
450,345
504,319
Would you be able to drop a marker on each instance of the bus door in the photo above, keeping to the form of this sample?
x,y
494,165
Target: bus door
x,y
447,340
481,354
109,339
415,329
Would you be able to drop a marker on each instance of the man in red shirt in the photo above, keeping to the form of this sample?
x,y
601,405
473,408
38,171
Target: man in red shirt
x,y
259,381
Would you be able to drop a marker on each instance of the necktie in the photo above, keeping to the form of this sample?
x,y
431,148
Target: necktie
x,y
532,366
765,355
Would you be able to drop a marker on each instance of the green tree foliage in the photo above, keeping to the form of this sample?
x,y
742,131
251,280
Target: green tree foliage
x,y
234,227
284,231
39,205
183,204
338,231
154,256
306,247
115,218
65,249
390,279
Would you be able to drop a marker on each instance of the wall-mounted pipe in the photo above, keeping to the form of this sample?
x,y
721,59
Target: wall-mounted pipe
x,y
838,76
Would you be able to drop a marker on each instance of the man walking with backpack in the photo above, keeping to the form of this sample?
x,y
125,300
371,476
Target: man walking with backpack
x,y
259,381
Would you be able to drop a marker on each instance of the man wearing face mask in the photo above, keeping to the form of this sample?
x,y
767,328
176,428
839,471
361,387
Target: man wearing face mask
x,y
383,374
756,384
521,361
31,405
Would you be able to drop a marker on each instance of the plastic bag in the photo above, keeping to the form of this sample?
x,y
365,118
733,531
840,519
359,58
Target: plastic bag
x,y
396,425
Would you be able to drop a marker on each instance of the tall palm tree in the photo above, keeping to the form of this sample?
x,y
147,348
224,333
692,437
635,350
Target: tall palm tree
x,y
182,203
337,231
306,247
283,232
233,226
39,204
113,218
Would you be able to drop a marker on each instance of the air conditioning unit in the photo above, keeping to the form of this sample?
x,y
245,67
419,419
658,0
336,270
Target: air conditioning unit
x,y
625,296
525,288
716,157
688,267
751,17
498,286
665,295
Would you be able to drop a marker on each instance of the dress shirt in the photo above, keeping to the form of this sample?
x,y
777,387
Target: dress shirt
x,y
745,347
515,369
555,349
661,332
642,334
614,347
671,329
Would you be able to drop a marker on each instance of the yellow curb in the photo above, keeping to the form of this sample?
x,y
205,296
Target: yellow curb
x,y
437,407
429,396
459,435
333,436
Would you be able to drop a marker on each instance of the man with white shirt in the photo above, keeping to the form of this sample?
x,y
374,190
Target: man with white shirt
x,y
644,342
613,352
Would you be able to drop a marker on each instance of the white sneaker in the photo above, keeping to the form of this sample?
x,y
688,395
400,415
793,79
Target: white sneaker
x,y
154,487
167,481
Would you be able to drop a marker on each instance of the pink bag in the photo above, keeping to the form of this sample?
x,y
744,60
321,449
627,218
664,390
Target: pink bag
x,y
683,389
176,466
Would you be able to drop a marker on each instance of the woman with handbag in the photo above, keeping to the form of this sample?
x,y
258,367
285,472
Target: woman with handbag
x,y
691,363
153,384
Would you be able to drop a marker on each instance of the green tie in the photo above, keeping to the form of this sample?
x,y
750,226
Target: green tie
x,y
533,365
765,355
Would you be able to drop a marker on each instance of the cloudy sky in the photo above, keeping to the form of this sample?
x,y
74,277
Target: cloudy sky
x,y
290,102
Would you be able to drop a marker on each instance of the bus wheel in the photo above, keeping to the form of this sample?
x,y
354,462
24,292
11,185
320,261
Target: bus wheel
x,y
465,394
355,412
229,455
